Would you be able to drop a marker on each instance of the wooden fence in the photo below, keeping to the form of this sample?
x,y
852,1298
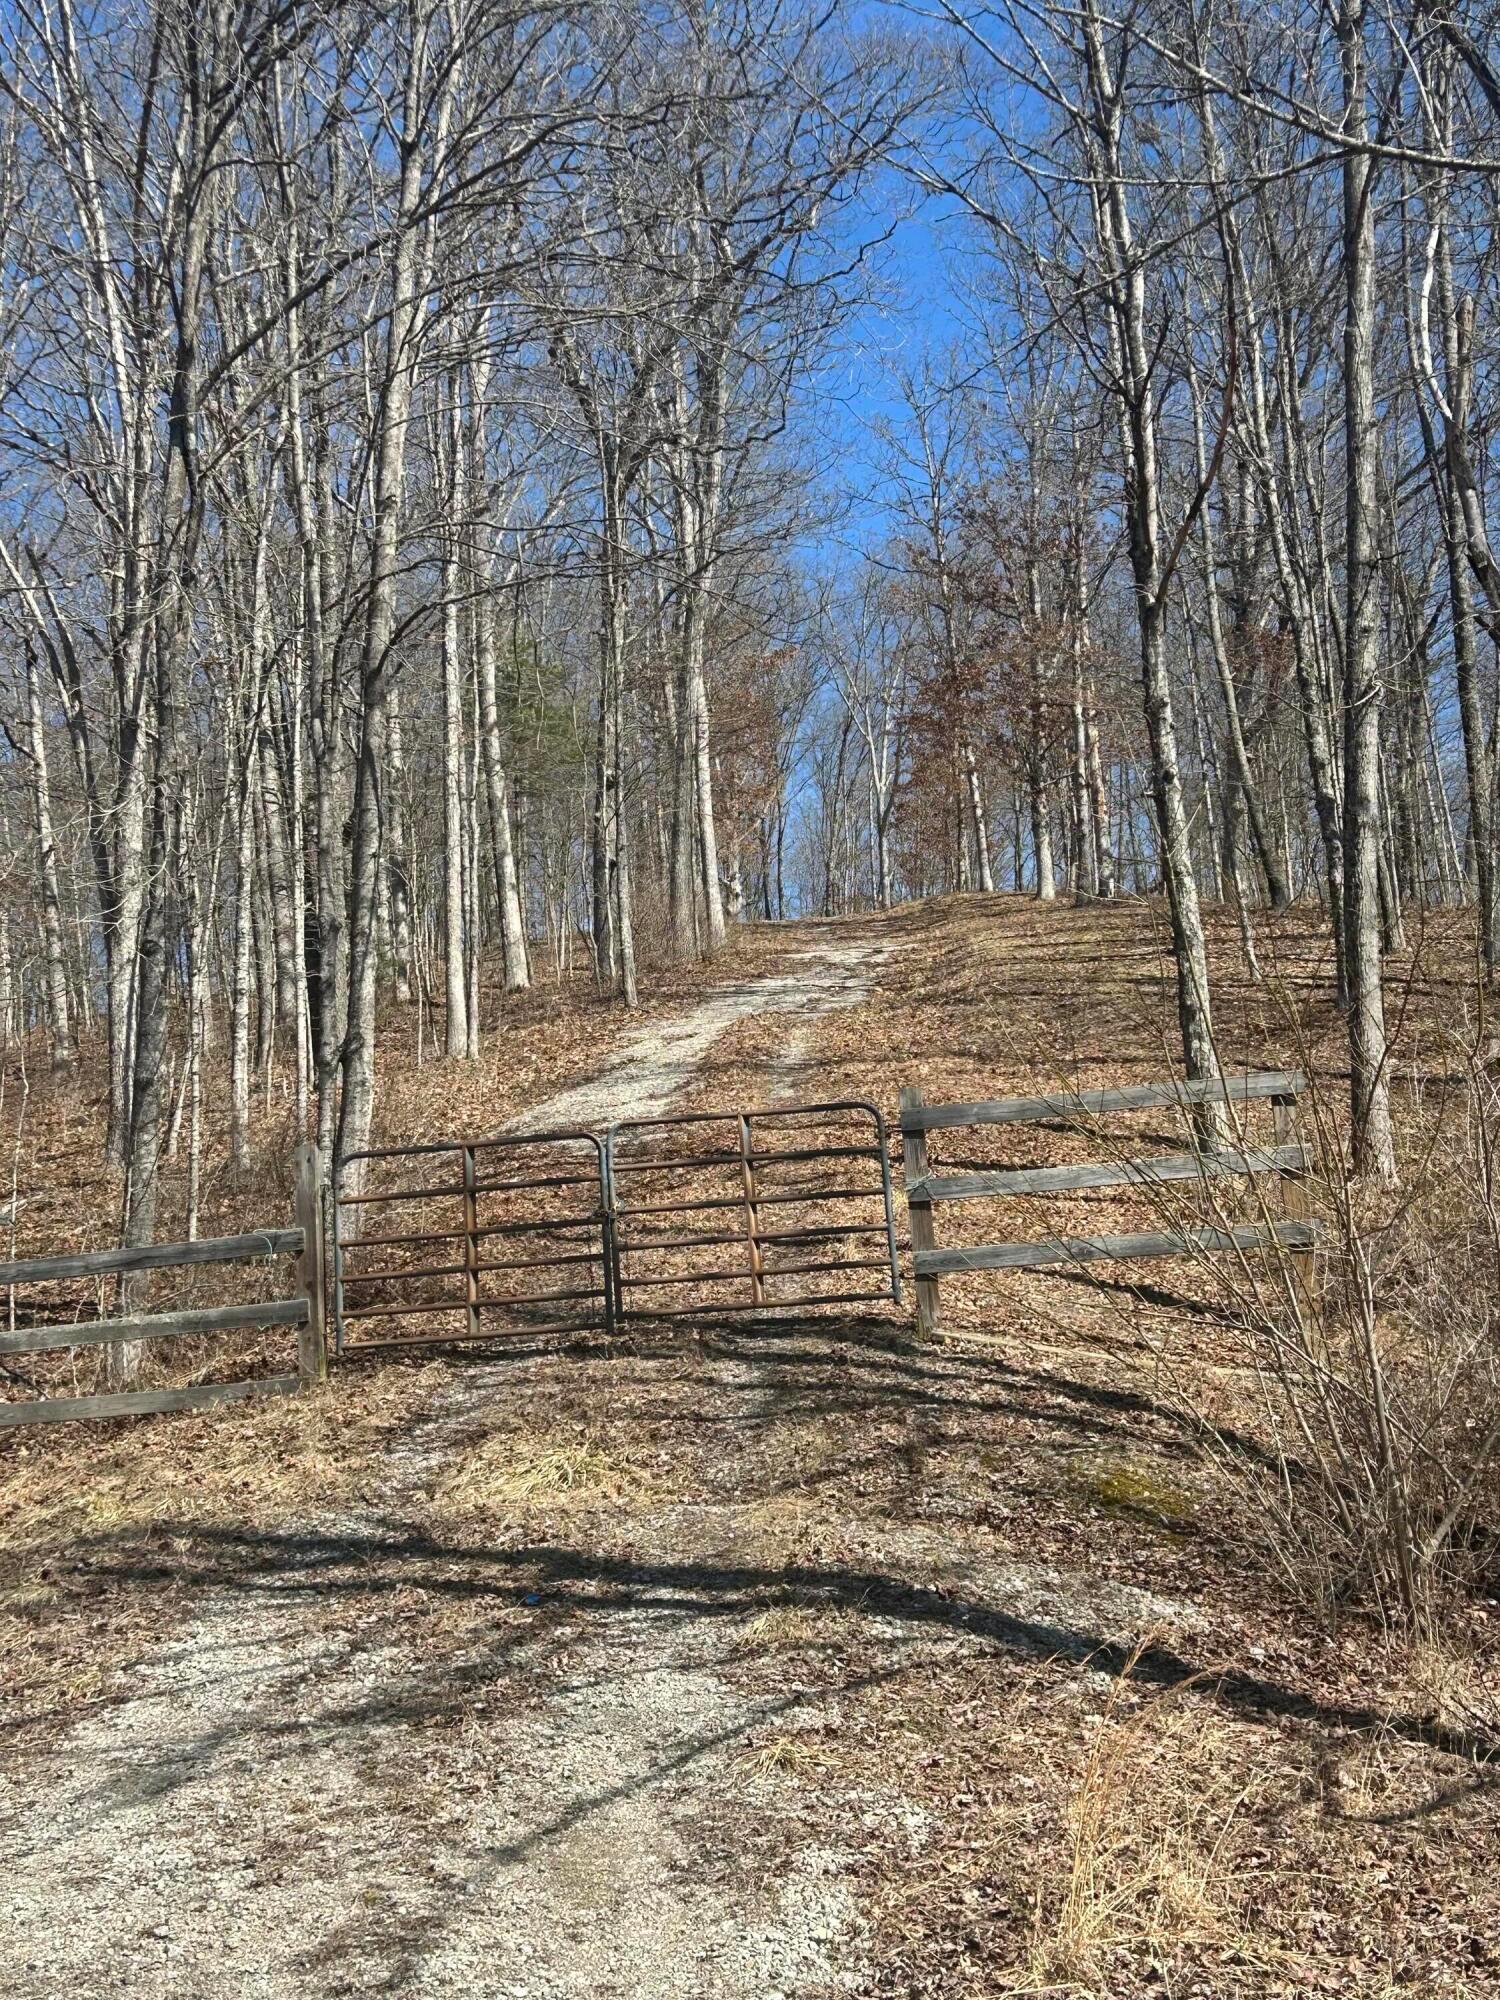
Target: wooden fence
x,y
924,1189
302,1308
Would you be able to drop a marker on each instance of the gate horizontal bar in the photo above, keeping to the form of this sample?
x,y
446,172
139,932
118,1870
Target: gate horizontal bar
x,y
404,1242
466,1334
473,1305
740,1273
386,1277
763,1112
753,1159
761,1236
458,1270
553,1223
815,1153
595,1256
545,1263
460,1235
541,1181
496,1142
835,1264
400,1194
778,1200
536,1298
762,1305
737,1276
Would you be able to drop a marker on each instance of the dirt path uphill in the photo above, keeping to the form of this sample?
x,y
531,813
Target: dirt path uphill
x,y
789,1658
469,1738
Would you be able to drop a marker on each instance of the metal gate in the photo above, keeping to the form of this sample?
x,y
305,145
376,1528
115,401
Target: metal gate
x,y
706,1212
775,1193
496,1237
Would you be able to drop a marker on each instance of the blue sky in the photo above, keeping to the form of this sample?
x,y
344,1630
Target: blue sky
x,y
918,307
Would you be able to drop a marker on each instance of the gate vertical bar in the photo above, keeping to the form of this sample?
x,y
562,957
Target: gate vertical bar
x,y
614,1277
338,1257
471,1240
752,1214
882,1140
918,1205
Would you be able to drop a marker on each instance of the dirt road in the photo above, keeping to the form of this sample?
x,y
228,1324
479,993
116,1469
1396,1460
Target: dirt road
x,y
787,1658
300,1797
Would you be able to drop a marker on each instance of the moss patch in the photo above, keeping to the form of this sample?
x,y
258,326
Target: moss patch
x,y
1138,1491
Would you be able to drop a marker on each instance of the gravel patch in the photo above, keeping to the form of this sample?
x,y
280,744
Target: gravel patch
x,y
264,1809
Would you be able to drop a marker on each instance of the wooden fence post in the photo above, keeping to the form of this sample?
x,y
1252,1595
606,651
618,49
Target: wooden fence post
x,y
312,1342
1304,1262
918,1207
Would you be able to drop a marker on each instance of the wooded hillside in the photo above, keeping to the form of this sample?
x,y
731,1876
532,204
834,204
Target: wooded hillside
x,y
418,565
671,568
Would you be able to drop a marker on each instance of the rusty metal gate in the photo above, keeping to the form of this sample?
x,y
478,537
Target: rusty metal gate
x,y
705,1212
496,1236
776,1194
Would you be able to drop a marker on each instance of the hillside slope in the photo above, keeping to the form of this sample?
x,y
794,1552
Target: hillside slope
x,y
747,1658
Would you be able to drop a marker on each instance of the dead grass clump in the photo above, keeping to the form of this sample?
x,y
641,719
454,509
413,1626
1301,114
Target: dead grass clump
x,y
783,1756
1152,1822
793,1627
537,1469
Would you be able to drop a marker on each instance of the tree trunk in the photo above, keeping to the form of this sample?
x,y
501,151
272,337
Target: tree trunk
x,y
409,284
1133,352
455,951
240,987
279,880
1374,1143
497,798
979,825
1241,776
59,1030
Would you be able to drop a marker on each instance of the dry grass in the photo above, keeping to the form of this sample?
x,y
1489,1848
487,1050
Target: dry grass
x,y
1152,1827
248,1463
781,1757
540,1469
804,1627
1459,1681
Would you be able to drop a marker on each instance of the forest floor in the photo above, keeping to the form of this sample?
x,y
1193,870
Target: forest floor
x,y
791,1658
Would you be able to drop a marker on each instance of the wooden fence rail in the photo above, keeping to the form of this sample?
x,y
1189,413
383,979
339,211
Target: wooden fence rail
x,y
1071,1105
261,1243
302,1309
924,1188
